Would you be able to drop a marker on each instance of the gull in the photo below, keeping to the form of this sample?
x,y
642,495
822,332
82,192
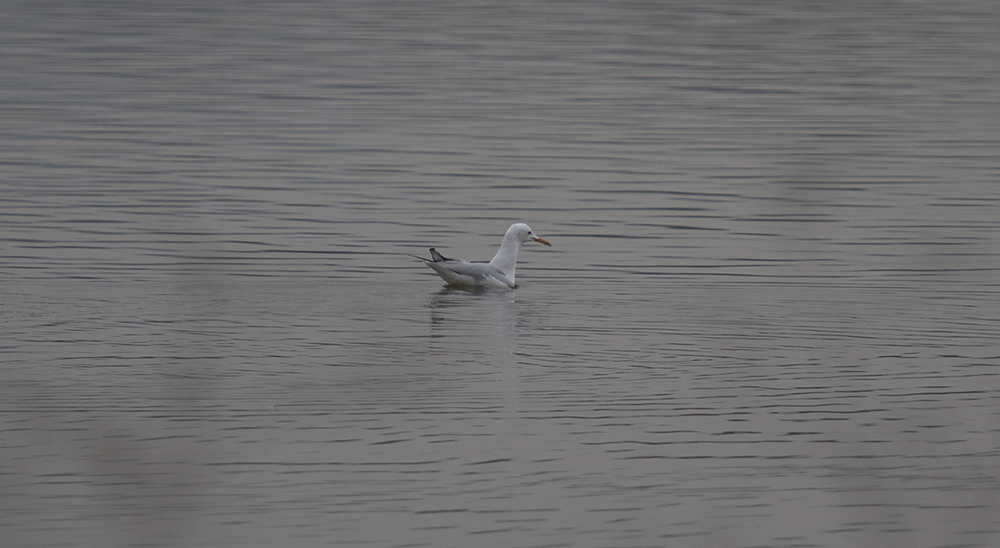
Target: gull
x,y
499,272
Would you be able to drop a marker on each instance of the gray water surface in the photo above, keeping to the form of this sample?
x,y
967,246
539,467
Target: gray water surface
x,y
771,315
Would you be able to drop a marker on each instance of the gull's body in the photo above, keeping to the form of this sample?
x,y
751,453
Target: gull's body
x,y
499,272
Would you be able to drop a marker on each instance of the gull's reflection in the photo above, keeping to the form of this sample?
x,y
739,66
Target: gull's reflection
x,y
476,290
456,309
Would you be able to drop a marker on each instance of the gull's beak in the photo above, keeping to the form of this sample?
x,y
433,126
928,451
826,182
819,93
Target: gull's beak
x,y
543,241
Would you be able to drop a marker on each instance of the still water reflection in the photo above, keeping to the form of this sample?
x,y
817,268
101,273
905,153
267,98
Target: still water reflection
x,y
770,316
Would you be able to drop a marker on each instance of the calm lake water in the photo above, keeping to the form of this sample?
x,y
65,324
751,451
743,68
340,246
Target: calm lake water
x,y
770,318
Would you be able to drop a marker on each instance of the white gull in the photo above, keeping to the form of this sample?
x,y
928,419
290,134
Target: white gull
x,y
499,272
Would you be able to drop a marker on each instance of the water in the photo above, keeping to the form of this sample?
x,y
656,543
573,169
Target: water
x,y
770,316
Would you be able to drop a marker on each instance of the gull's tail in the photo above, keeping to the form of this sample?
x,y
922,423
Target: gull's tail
x,y
435,257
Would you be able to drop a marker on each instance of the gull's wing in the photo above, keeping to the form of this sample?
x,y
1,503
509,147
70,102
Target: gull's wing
x,y
459,272
437,257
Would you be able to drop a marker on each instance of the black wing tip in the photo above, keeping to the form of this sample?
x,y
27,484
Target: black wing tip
x,y
437,256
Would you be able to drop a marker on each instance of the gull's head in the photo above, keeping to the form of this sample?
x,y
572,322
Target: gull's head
x,y
523,233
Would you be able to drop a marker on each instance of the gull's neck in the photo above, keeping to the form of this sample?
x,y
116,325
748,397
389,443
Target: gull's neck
x,y
506,257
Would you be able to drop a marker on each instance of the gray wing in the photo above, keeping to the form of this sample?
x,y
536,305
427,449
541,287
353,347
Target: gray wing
x,y
469,273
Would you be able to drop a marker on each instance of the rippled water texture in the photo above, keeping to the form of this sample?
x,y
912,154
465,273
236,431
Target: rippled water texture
x,y
770,316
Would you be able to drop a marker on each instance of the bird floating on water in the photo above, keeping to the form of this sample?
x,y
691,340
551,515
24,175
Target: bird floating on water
x,y
499,272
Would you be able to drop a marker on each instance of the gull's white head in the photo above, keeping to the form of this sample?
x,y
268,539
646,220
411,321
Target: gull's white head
x,y
523,233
